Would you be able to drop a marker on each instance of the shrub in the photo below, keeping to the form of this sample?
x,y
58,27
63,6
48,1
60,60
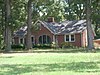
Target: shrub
x,y
54,45
43,46
66,45
19,46
1,42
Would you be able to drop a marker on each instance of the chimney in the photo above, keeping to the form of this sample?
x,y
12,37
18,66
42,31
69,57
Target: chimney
x,y
50,19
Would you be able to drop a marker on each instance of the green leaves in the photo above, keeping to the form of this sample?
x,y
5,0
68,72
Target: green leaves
x,y
42,9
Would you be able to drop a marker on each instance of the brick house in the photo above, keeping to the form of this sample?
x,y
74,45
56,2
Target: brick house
x,y
50,31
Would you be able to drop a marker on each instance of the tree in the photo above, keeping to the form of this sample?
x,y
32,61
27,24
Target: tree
x,y
29,23
51,8
42,9
2,19
18,14
96,16
89,28
7,26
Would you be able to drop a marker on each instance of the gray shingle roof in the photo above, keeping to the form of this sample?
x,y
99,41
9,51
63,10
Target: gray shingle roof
x,y
65,27
21,32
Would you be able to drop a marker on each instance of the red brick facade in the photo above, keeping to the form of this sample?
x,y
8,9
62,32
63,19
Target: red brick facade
x,y
84,38
43,31
80,38
16,40
77,40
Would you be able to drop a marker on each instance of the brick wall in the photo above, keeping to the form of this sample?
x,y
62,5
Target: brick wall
x,y
16,40
79,38
43,31
77,41
84,38
60,39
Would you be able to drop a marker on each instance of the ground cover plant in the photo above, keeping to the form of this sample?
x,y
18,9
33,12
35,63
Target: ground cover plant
x,y
50,64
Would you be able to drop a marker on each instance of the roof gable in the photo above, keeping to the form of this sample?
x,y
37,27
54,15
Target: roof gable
x,y
65,27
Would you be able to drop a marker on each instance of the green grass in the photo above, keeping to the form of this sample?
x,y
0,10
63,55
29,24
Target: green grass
x,y
50,64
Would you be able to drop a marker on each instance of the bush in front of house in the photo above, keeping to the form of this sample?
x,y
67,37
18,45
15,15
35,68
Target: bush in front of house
x,y
42,46
54,45
66,45
19,46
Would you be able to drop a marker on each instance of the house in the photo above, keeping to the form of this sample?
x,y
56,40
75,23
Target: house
x,y
50,31
96,43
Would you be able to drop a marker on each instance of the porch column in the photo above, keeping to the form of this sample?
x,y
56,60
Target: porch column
x,y
54,39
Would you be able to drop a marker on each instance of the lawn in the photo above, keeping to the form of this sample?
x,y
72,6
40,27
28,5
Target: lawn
x,y
50,64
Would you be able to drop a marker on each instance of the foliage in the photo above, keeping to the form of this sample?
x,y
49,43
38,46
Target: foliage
x,y
42,46
54,45
2,19
54,8
19,46
1,42
66,45
42,9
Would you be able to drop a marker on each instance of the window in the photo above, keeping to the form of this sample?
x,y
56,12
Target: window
x,y
69,38
32,39
21,40
72,38
44,39
48,39
40,39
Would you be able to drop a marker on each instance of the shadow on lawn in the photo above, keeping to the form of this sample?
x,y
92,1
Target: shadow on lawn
x,y
74,66
7,57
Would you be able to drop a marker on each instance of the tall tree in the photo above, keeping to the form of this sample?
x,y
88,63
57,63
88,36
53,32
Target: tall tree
x,y
18,13
29,23
7,27
2,19
89,27
60,9
96,16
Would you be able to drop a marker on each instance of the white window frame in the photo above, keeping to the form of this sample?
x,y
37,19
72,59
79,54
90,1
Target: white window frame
x,y
42,38
69,37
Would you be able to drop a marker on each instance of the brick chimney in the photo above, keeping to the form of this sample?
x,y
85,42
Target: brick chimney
x,y
50,19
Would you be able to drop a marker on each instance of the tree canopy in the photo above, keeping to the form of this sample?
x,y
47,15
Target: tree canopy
x,y
42,9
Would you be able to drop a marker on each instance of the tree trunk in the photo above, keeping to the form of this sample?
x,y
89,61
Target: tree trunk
x,y
7,27
29,23
89,28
